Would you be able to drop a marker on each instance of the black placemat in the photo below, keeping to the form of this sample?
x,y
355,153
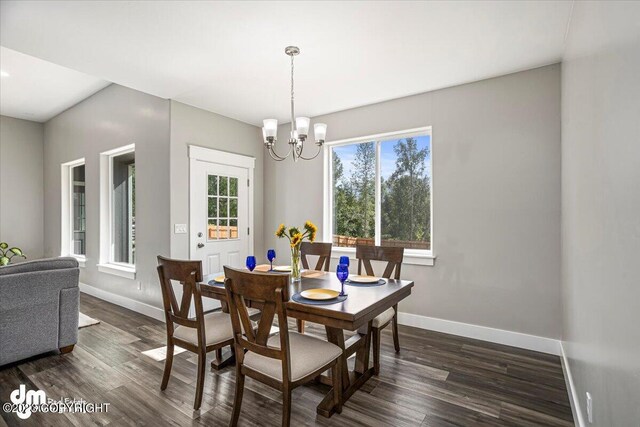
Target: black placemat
x,y
380,282
214,283
302,300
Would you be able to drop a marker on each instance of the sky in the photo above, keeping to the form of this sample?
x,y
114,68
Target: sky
x,y
388,156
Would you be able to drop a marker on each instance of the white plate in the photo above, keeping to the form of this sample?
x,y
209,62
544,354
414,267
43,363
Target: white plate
x,y
364,279
283,268
320,294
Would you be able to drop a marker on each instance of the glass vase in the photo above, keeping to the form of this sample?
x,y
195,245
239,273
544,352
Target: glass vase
x,y
295,264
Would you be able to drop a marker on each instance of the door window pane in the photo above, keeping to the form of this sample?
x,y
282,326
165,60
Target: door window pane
x,y
233,186
213,207
213,185
212,229
223,229
223,186
223,207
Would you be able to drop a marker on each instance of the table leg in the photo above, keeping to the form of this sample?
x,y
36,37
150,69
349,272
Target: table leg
x,y
219,362
351,381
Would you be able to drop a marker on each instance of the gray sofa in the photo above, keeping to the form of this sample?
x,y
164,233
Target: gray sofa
x,y
38,308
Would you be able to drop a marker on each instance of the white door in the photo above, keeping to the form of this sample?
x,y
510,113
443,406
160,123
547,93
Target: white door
x,y
220,212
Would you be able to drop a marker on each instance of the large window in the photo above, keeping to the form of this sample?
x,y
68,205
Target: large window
x,y
380,191
118,212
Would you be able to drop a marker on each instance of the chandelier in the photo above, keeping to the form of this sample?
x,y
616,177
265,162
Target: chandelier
x,y
299,127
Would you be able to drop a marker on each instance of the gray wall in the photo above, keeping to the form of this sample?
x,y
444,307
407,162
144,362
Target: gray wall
x,y
193,126
21,185
601,208
496,197
114,117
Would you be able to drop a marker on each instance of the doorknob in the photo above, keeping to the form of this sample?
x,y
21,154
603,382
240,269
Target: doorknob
x,y
200,234
200,245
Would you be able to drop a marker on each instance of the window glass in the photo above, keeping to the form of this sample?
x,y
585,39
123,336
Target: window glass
x,y
78,214
124,208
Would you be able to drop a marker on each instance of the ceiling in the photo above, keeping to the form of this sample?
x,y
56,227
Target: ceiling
x,y
228,57
37,90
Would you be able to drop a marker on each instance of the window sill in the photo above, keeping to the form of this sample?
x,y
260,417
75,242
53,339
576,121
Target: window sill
x,y
426,259
122,270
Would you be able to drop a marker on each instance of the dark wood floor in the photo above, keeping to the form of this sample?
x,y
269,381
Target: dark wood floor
x,y
437,380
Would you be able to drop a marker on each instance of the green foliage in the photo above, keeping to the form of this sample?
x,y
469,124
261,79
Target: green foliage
x,y
405,195
406,201
7,254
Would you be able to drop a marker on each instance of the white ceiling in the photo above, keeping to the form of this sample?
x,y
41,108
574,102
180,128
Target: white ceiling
x,y
228,57
37,90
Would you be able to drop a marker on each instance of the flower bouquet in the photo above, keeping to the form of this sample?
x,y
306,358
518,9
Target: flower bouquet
x,y
296,237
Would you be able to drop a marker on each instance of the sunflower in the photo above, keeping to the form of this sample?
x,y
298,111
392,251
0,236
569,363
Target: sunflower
x,y
312,236
296,239
310,227
280,231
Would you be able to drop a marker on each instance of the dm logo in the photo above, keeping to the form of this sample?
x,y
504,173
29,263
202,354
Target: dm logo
x,y
24,399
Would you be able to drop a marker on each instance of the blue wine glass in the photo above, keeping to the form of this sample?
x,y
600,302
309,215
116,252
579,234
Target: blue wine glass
x,y
251,262
271,255
344,260
343,274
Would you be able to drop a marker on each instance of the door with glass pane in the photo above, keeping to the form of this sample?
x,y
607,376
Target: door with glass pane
x,y
219,216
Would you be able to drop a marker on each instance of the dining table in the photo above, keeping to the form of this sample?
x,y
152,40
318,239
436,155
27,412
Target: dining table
x,y
356,313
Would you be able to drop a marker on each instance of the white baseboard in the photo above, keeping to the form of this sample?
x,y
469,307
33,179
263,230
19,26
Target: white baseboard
x,y
499,336
571,388
131,304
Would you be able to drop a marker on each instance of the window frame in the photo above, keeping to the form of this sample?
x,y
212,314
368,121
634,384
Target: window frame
x,y
66,215
107,262
411,256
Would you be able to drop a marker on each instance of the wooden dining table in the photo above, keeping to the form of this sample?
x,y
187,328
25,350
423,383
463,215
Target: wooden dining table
x,y
362,305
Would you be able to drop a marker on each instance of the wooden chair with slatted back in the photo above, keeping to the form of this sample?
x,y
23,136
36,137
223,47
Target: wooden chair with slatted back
x,y
393,257
323,252
284,360
200,335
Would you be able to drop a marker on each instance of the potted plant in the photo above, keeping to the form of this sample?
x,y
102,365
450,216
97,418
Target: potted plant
x,y
7,254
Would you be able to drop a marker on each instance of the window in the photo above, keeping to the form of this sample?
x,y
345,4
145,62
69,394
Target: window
x,y
379,191
78,212
118,212
222,208
74,216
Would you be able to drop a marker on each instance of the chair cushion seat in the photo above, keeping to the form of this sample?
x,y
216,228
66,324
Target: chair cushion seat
x,y
383,317
307,354
217,328
252,311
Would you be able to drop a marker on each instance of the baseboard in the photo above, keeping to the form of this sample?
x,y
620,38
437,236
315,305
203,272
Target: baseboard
x,y
131,304
571,388
500,336
483,333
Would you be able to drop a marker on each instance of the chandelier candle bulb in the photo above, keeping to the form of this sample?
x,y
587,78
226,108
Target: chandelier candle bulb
x,y
320,132
302,126
270,127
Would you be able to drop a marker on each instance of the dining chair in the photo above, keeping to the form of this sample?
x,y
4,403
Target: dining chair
x,y
393,257
201,334
323,252
284,360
